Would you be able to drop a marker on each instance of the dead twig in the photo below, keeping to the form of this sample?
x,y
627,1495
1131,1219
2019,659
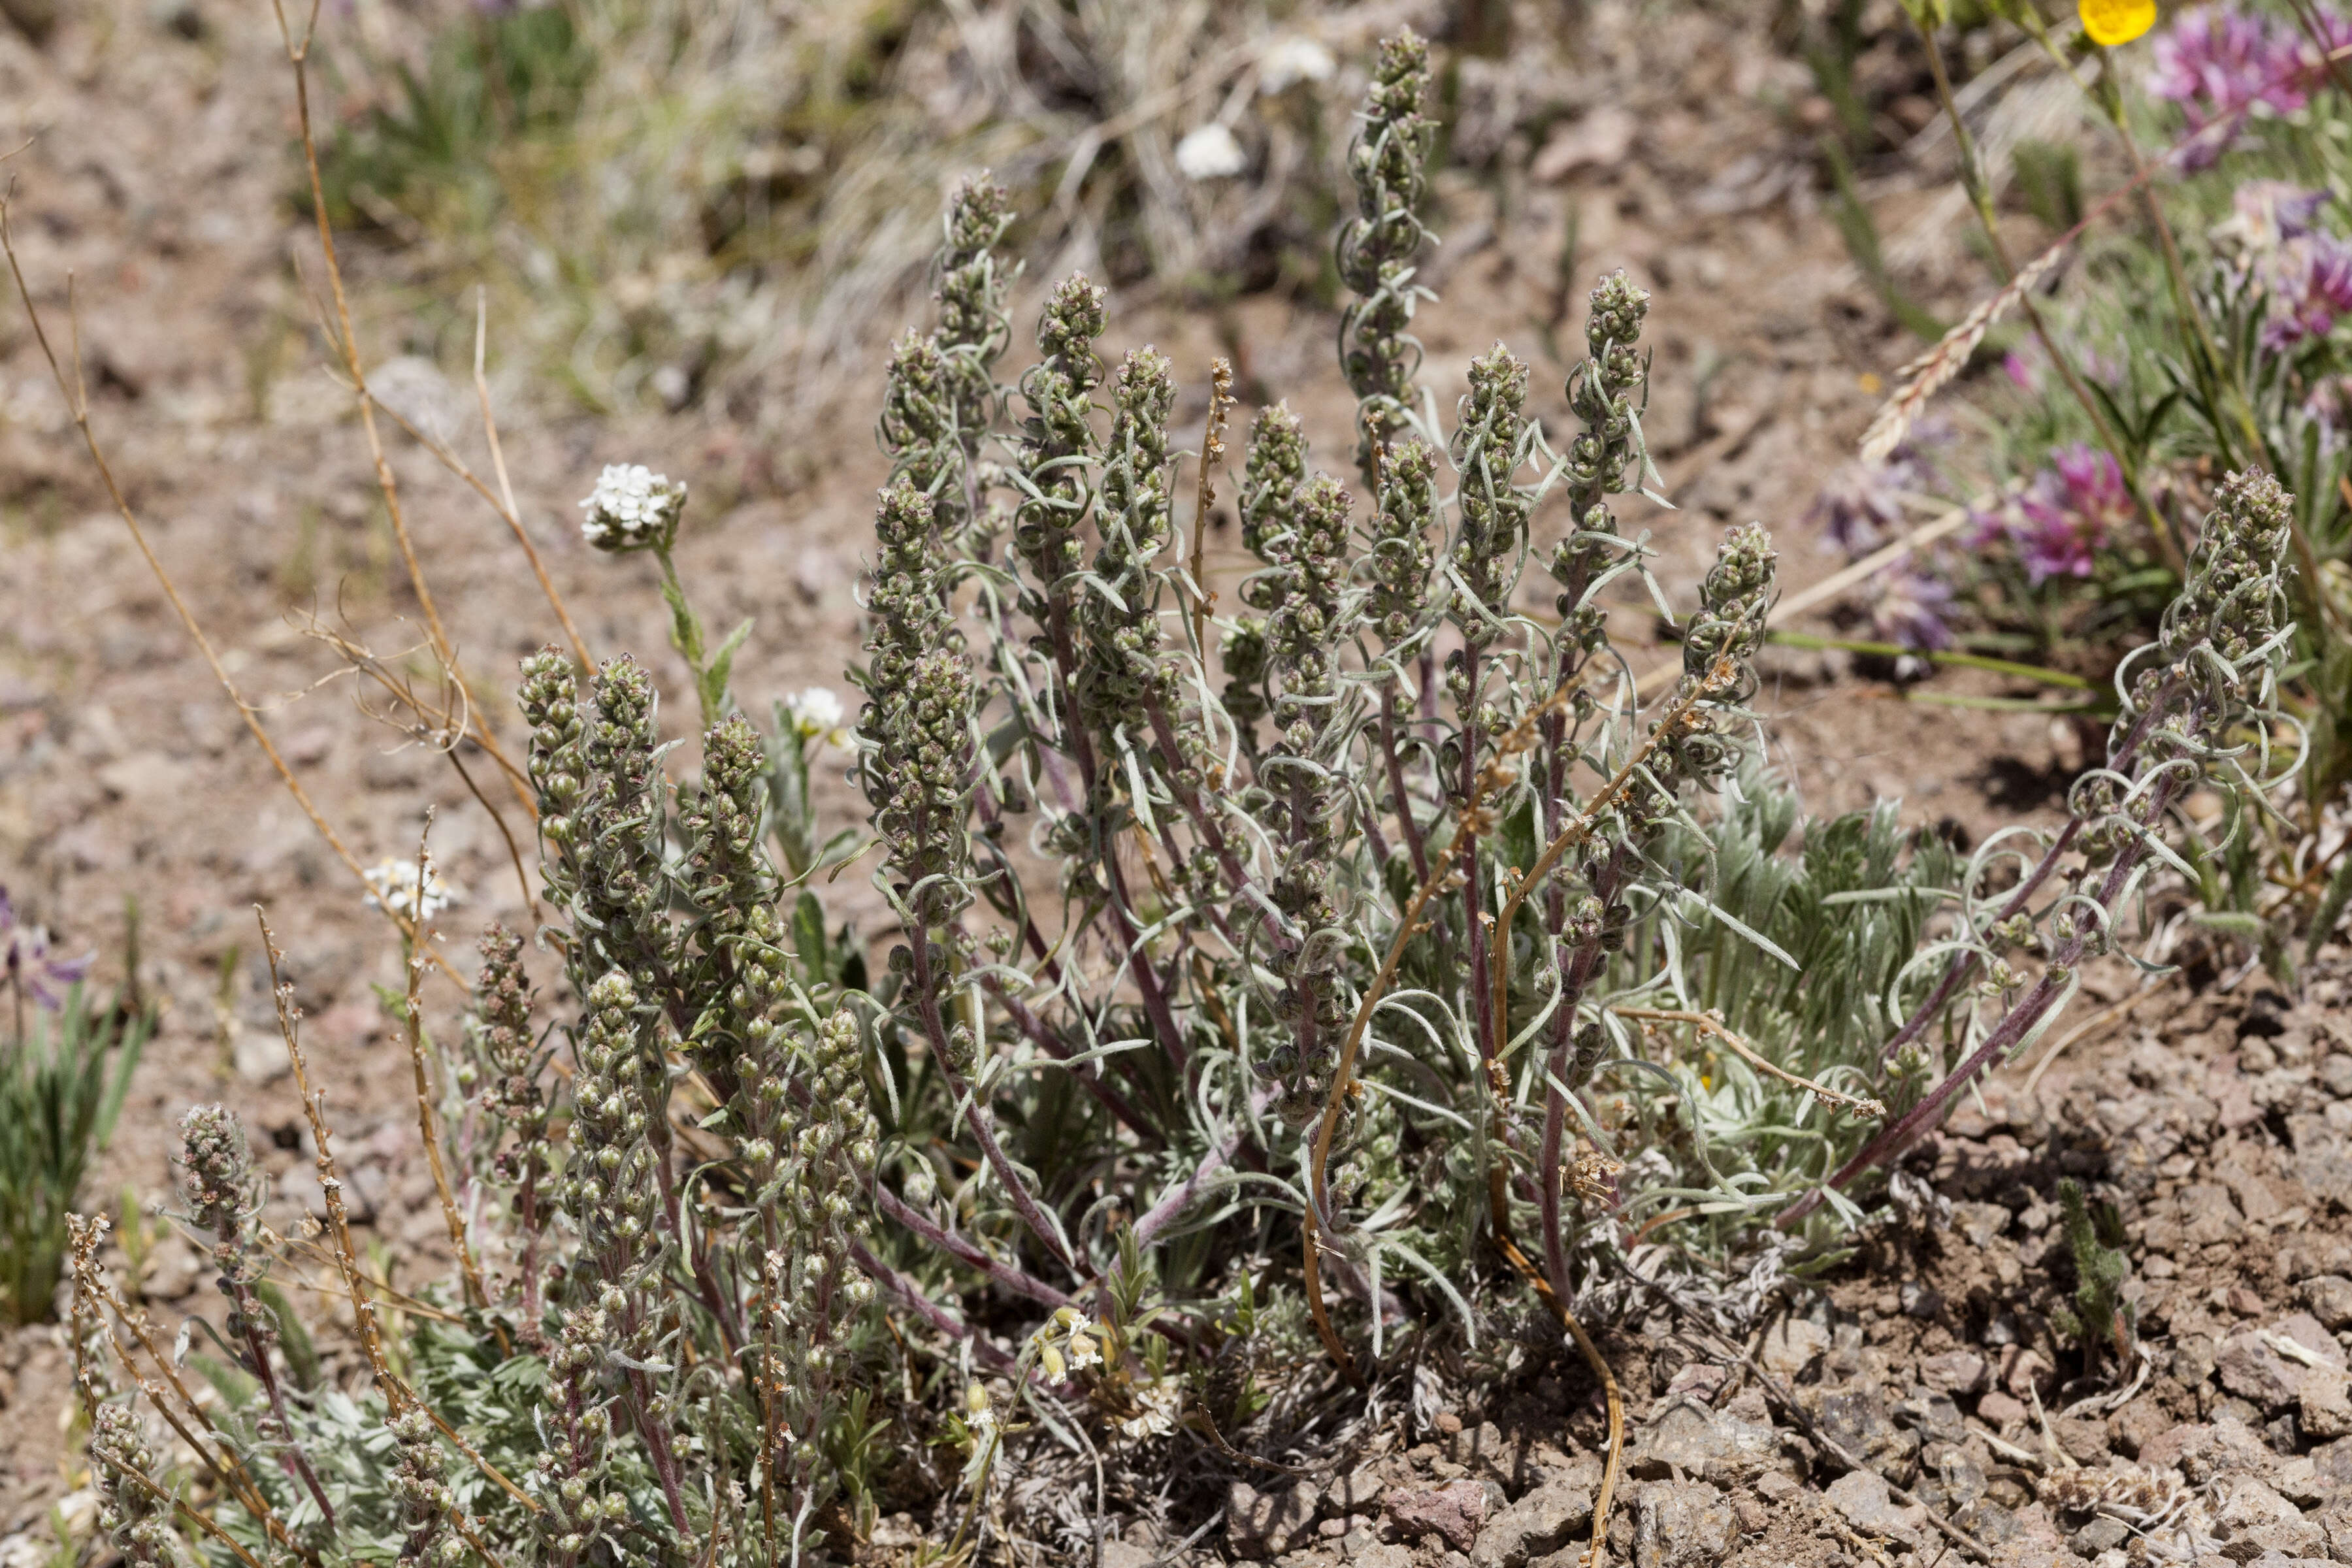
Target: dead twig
x,y
77,395
1712,1025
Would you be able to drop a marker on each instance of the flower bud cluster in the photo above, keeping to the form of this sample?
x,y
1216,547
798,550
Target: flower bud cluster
x,y
2212,668
972,280
1387,160
549,701
727,877
572,1475
621,910
419,1486
941,391
1699,746
1491,443
1056,439
511,1092
132,1510
940,395
611,1185
1271,471
1606,393
918,763
811,1159
1119,665
223,1192
2235,601
1401,559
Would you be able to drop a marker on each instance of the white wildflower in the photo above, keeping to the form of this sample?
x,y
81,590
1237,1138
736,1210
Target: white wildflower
x,y
1157,1407
817,714
1211,152
631,507
406,888
1290,60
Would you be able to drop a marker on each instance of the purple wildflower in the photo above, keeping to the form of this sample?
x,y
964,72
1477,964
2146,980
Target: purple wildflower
x,y
25,950
2218,61
2059,520
1910,609
2311,284
2024,373
1861,503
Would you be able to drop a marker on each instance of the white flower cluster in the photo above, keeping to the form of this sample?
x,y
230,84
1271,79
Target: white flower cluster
x,y
1070,1341
417,892
816,714
1211,152
631,508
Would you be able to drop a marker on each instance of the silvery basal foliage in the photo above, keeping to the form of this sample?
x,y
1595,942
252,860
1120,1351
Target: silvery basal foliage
x,y
1392,907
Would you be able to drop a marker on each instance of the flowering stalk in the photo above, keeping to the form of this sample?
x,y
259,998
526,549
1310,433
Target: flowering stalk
x,y
1388,161
512,1096
1310,619
2188,699
940,395
1273,468
1120,668
811,1157
614,1188
1491,443
1607,392
133,1511
918,767
222,1192
1690,747
1402,564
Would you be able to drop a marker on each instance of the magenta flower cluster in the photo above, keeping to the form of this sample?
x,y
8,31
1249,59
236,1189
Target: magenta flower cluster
x,y
2217,62
2060,520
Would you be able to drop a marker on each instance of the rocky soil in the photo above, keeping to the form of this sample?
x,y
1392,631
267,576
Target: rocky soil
x,y
1920,1382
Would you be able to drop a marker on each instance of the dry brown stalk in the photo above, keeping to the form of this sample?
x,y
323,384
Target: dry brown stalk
x,y
76,397
427,1126
193,1517
1499,1217
1213,452
442,730
347,346
90,1281
1717,679
1712,1025
507,508
1445,876
397,1394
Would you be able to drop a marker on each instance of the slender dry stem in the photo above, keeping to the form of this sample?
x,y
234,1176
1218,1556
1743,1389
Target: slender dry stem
x,y
1213,452
1477,818
76,397
1712,1025
347,347
427,1124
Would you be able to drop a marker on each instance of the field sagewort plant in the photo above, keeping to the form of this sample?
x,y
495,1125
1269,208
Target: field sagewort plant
x,y
1389,918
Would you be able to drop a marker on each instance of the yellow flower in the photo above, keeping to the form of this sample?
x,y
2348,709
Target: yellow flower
x,y
2111,22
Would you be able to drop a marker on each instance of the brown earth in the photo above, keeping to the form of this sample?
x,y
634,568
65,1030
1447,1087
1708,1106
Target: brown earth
x,y
159,181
